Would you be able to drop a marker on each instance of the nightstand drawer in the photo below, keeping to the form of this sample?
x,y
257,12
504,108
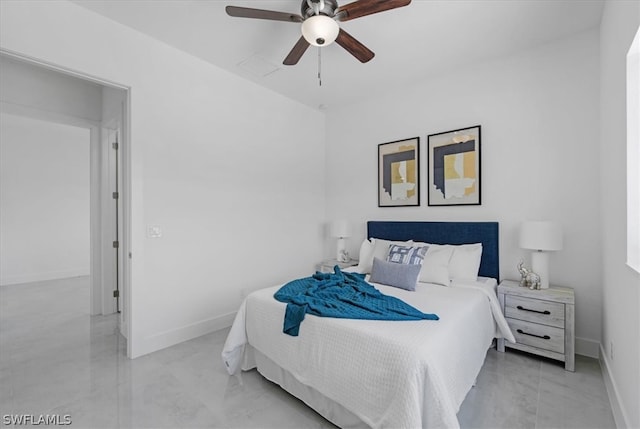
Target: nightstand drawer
x,y
535,335
534,310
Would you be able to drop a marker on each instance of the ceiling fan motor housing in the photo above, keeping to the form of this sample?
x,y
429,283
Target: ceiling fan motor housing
x,y
329,8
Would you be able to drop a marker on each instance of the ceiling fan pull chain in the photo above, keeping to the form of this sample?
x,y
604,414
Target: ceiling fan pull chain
x,y
319,66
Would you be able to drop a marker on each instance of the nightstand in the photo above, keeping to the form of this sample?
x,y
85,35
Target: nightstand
x,y
541,320
326,266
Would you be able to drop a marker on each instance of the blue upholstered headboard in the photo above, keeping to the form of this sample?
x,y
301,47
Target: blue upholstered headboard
x,y
446,233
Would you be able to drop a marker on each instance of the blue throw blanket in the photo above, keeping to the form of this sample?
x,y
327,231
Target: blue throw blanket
x,y
341,295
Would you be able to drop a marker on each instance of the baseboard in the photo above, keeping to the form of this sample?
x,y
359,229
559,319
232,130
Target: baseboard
x,y
619,414
587,347
176,336
40,277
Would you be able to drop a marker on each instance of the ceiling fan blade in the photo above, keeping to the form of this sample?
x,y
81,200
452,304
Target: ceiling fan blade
x,y
355,48
367,7
247,12
296,53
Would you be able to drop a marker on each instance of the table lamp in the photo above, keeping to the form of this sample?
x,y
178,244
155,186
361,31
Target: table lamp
x,y
341,230
542,237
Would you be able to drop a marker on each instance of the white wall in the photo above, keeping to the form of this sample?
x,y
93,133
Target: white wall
x,y
621,285
227,169
540,160
44,200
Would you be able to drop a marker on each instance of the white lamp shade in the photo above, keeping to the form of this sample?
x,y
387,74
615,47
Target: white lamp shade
x,y
340,229
320,30
541,235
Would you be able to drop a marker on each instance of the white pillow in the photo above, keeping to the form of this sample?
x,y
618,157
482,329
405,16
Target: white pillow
x,y
435,268
465,261
434,273
376,248
365,258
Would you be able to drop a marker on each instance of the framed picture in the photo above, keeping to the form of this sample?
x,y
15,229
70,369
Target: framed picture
x,y
398,173
453,167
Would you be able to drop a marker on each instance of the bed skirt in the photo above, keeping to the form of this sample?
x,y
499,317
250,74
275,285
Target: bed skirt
x,y
330,410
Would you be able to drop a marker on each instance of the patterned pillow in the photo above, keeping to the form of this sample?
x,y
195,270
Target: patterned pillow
x,y
406,255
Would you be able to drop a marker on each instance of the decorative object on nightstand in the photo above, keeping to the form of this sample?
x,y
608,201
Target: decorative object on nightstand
x,y
341,230
543,321
543,237
327,265
527,277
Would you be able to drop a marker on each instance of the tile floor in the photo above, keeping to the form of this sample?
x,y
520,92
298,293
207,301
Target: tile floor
x,y
56,359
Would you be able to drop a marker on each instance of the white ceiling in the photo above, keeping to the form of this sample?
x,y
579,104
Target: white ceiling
x,y
423,39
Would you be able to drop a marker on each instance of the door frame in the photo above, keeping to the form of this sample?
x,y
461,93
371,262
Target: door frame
x,y
97,187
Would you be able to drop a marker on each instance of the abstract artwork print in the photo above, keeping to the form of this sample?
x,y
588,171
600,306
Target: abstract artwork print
x,y
398,172
454,167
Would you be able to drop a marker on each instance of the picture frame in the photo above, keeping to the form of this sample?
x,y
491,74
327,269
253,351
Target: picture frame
x,y
399,173
453,167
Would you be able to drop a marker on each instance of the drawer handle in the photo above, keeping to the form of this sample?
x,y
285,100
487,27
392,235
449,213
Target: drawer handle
x,y
544,337
533,311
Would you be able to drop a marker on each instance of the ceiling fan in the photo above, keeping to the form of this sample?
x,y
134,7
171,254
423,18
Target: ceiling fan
x,y
319,26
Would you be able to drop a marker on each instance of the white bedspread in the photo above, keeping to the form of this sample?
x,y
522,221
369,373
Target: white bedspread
x,y
390,374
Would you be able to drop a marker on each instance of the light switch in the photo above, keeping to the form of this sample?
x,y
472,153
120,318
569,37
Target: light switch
x,y
154,231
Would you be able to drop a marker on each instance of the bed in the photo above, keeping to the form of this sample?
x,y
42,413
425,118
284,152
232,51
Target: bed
x,y
371,373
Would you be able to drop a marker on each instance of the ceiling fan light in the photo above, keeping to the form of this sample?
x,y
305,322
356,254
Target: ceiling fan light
x,y
320,30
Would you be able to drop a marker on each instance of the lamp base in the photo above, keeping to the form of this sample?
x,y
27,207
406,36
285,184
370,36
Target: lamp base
x,y
540,266
342,255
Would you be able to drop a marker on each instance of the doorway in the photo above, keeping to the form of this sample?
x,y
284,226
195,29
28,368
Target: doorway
x,y
44,214
45,94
